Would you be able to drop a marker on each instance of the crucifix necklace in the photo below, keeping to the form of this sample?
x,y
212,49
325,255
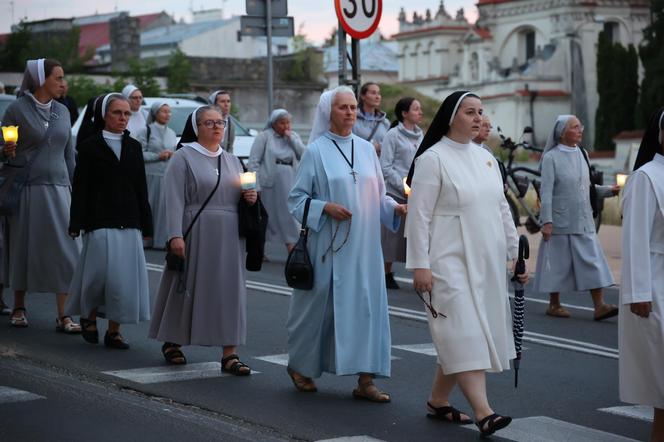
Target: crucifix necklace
x,y
352,157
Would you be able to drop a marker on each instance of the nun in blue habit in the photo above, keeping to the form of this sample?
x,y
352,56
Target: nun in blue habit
x,y
341,326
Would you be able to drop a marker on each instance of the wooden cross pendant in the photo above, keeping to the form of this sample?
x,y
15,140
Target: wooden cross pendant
x,y
352,172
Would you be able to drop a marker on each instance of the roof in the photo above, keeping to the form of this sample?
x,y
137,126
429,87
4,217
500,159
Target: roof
x,y
492,2
435,29
378,56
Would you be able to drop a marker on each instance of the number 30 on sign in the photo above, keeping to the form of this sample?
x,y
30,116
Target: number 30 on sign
x,y
359,18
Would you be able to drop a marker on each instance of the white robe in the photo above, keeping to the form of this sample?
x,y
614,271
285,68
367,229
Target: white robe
x,y
642,339
137,122
459,226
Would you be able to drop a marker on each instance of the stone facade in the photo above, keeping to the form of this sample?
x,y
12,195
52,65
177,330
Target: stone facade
x,y
125,41
530,60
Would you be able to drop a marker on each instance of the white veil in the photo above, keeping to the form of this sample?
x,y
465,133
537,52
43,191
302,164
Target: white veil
x,y
322,117
554,137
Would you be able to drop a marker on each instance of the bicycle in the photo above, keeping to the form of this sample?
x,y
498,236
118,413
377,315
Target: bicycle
x,y
518,184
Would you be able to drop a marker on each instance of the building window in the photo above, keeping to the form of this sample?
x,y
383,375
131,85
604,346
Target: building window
x,y
529,44
611,30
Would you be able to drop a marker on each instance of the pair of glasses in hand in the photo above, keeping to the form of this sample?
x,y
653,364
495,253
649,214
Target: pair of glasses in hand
x,y
433,311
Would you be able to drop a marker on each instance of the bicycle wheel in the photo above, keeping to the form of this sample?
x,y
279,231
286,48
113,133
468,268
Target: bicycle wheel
x,y
514,210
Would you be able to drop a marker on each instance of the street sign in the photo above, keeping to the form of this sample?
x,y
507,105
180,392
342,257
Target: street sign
x,y
256,26
258,8
359,18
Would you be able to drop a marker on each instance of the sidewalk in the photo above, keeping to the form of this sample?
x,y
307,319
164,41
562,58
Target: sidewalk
x,y
609,236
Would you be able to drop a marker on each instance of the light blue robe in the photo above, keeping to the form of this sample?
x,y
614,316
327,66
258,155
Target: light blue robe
x,y
342,326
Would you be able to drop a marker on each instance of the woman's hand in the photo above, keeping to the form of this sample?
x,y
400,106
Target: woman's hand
x,y
423,280
250,196
401,210
547,230
165,155
74,235
9,149
177,246
615,190
523,277
337,211
641,309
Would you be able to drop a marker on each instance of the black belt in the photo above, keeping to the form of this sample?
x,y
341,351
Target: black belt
x,y
285,163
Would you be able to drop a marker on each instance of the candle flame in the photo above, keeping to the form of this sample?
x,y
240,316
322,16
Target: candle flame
x,y
406,187
10,134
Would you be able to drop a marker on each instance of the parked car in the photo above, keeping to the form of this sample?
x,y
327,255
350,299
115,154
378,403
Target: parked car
x,y
6,100
180,110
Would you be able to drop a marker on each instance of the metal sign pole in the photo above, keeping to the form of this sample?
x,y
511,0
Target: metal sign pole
x,y
341,37
355,47
268,22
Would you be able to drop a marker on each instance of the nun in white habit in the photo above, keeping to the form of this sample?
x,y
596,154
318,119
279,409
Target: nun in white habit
x,y
110,205
39,254
274,157
460,237
159,142
641,323
570,257
139,117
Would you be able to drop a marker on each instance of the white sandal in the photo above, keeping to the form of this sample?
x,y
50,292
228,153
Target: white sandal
x,y
19,320
66,324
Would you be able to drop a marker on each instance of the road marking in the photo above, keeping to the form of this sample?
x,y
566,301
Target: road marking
x,y
400,312
634,411
10,395
539,301
282,359
423,349
546,429
352,439
172,373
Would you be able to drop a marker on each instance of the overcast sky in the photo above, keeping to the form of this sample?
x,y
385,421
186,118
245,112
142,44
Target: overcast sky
x,y
316,17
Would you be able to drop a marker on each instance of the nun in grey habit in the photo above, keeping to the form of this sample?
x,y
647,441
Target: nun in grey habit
x,y
274,157
159,142
206,303
39,255
570,257
110,205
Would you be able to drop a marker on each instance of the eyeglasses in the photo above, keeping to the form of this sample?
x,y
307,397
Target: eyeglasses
x,y
433,311
118,113
213,123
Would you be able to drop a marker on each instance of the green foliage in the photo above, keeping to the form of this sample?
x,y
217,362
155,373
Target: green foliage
x,y
82,88
179,69
618,89
392,93
651,52
142,73
331,40
62,46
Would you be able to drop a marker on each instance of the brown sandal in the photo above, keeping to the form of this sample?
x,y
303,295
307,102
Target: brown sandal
x,y
302,383
368,391
606,311
557,311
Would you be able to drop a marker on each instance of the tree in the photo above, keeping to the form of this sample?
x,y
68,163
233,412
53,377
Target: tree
x,y
651,52
179,69
82,88
331,40
617,87
17,49
143,73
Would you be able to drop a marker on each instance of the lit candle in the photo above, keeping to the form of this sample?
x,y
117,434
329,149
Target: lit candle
x,y
10,134
406,187
248,180
621,178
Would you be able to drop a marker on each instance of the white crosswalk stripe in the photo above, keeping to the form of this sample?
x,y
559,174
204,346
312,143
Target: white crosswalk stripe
x,y
282,359
10,395
634,411
352,439
171,373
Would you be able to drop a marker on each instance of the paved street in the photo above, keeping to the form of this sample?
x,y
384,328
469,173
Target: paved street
x,y
55,387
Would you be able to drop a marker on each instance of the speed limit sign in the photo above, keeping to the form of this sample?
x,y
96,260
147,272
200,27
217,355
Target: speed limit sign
x,y
359,18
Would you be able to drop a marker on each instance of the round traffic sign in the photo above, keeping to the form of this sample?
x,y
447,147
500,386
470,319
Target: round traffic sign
x,y
359,18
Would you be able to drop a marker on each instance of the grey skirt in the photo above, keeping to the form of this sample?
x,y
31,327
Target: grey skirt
x,y
394,243
281,226
111,276
40,254
567,263
156,199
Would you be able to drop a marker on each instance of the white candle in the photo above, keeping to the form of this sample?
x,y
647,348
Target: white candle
x,y
406,187
248,180
10,134
621,178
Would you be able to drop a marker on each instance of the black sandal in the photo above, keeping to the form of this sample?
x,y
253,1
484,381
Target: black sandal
x,y
115,340
173,354
441,413
236,368
90,335
493,422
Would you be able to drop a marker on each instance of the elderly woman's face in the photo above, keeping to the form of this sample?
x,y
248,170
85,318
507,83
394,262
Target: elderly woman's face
x,y
135,100
468,119
573,132
344,112
282,125
210,127
163,115
117,116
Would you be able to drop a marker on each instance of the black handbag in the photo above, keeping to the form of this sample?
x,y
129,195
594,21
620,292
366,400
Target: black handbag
x,y
252,227
298,271
173,261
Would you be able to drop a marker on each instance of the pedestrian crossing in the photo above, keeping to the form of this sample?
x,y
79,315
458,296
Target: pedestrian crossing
x,y
172,373
10,395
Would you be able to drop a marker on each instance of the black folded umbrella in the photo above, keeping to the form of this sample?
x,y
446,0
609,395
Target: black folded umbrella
x,y
518,313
